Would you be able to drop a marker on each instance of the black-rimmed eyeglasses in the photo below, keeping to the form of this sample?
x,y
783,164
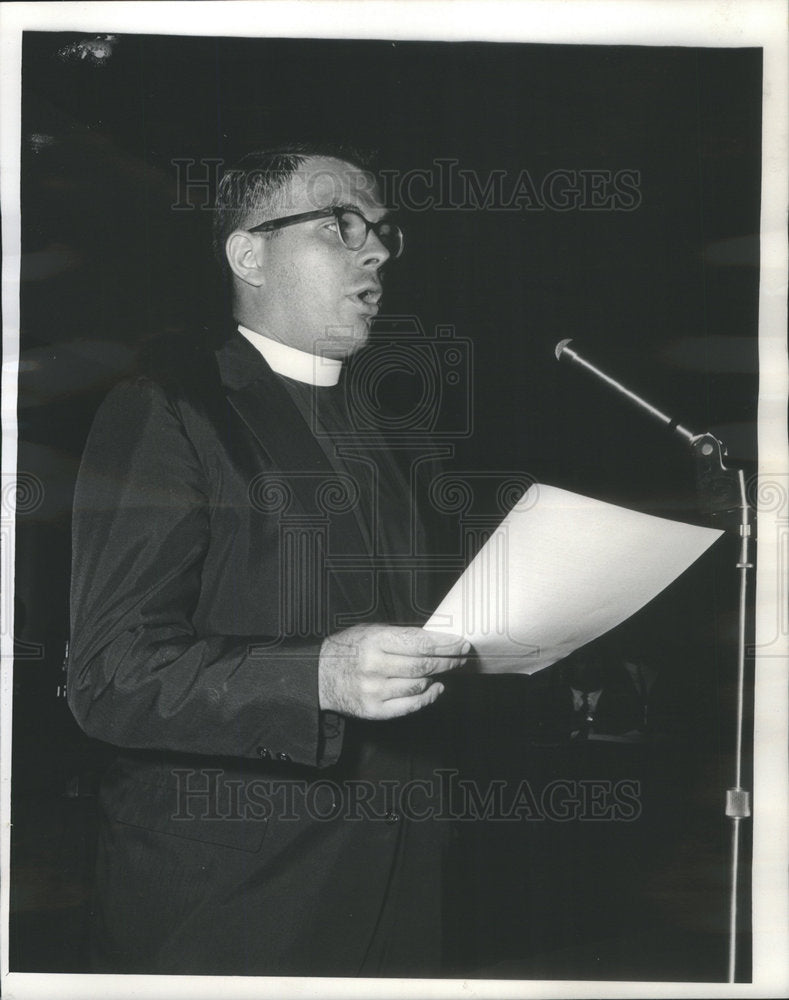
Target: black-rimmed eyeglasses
x,y
352,227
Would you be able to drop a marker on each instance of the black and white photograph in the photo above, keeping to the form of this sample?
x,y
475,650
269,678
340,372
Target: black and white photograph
x,y
395,500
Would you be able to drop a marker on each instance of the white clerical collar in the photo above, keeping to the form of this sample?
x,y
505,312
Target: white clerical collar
x,y
299,365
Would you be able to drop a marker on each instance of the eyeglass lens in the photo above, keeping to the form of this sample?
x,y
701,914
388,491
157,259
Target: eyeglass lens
x,y
353,231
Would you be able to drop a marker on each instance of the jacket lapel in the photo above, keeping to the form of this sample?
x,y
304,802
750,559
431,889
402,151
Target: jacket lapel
x,y
262,402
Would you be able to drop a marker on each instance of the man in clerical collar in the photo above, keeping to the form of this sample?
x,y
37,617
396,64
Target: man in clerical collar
x,y
237,632
307,255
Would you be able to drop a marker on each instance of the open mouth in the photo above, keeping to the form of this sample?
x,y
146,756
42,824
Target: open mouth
x,y
368,300
369,296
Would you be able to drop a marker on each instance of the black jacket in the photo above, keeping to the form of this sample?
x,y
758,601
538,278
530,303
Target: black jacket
x,y
216,543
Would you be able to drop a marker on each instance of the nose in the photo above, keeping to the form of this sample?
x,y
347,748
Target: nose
x,y
373,253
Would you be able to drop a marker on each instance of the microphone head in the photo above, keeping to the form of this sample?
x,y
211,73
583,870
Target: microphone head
x,y
559,349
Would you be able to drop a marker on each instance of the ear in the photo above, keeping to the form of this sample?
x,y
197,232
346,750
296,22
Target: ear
x,y
245,253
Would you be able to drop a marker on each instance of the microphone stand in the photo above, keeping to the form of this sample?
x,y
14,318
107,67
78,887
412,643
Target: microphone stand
x,y
722,494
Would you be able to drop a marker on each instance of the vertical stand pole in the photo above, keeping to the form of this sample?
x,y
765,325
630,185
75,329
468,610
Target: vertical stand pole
x,y
737,798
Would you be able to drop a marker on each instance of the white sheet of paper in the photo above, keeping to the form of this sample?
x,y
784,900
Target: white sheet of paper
x,y
559,571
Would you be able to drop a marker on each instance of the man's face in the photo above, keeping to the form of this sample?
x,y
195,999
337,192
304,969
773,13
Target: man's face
x,y
318,296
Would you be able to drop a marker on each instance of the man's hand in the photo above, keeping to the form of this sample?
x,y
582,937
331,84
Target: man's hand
x,y
383,671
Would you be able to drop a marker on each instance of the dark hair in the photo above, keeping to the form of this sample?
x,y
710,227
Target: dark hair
x,y
249,190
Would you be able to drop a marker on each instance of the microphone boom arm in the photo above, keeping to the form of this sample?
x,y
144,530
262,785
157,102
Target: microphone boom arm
x,y
721,489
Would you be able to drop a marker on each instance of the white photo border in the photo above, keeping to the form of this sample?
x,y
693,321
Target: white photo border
x,y
706,23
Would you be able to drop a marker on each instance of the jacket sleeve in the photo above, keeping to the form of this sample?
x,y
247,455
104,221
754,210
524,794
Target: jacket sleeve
x,y
139,675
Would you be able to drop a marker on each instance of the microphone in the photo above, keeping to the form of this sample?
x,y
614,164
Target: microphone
x,y
562,350
721,488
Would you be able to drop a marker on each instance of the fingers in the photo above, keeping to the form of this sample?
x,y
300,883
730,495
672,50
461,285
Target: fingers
x,y
413,652
412,641
397,688
394,665
381,672
395,707
400,651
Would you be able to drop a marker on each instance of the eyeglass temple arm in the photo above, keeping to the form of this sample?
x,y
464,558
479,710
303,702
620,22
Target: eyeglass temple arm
x,y
291,220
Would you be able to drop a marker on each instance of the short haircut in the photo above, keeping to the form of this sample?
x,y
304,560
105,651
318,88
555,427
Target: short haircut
x,y
252,188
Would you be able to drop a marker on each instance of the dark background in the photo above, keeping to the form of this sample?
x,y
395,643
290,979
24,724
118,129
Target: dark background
x,y
664,296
